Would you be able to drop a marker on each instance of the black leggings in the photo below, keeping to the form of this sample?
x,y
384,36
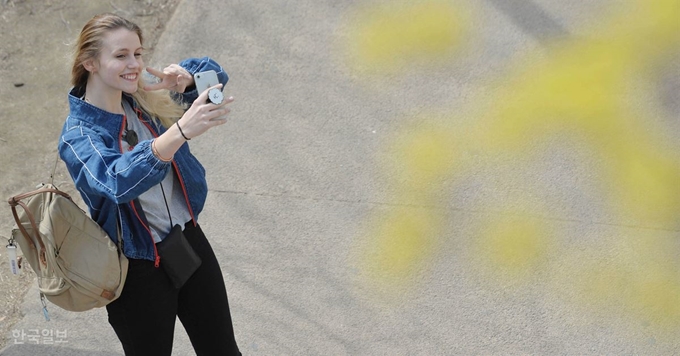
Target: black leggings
x,y
144,315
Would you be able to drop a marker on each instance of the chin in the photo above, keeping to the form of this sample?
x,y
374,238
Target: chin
x,y
131,90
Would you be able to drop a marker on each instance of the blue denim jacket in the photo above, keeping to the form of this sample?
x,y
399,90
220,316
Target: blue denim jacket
x,y
110,180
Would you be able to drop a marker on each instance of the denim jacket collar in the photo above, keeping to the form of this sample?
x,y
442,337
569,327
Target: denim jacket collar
x,y
83,111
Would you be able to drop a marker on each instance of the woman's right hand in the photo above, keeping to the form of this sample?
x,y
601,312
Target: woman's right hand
x,y
201,116
204,115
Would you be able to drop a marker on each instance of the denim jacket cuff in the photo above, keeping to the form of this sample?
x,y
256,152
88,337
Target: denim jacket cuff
x,y
151,158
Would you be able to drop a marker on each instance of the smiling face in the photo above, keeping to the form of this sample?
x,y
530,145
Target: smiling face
x,y
119,64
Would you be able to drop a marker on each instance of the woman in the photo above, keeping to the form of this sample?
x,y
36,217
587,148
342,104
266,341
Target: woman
x,y
127,154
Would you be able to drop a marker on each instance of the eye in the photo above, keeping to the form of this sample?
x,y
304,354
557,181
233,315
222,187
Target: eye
x,y
138,54
121,56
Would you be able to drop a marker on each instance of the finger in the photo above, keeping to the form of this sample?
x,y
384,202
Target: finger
x,y
189,78
219,121
224,102
156,86
220,114
216,86
203,97
221,118
204,94
174,67
178,70
155,72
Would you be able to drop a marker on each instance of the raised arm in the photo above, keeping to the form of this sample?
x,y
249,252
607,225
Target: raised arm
x,y
201,115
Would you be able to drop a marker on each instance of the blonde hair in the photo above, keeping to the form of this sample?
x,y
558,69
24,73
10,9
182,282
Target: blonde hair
x,y
158,104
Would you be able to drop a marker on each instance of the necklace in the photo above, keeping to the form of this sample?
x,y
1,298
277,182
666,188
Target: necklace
x,y
130,135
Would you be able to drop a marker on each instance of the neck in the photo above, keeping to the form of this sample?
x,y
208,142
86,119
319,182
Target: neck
x,y
108,100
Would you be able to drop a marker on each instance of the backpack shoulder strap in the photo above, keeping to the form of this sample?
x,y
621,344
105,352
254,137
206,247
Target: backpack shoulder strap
x,y
17,201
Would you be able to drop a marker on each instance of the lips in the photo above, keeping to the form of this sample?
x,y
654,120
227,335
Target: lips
x,y
131,76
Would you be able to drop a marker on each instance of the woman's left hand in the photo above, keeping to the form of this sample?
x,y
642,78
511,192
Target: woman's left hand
x,y
173,77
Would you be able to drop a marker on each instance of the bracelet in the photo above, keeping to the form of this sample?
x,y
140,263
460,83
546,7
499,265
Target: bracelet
x,y
158,155
182,132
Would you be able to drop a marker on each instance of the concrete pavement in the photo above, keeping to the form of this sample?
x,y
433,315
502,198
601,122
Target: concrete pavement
x,y
298,171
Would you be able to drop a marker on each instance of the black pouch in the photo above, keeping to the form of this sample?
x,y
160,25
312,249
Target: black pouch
x,y
178,258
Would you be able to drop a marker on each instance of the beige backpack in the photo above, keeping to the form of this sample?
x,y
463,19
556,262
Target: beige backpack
x,y
77,265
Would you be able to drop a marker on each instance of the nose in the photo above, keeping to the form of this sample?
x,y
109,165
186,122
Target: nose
x,y
134,63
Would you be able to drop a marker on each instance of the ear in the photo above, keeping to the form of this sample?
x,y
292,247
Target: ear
x,y
90,65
